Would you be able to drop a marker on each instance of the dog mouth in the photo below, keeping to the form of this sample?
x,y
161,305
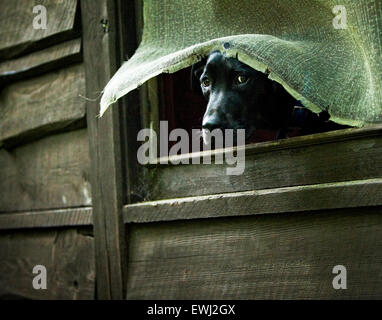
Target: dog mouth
x,y
205,135
221,140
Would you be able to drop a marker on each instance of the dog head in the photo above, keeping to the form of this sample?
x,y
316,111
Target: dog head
x,y
239,97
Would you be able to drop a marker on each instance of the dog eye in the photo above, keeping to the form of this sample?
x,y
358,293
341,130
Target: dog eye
x,y
241,79
206,82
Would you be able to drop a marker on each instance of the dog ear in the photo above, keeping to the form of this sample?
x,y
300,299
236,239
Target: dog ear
x,y
196,72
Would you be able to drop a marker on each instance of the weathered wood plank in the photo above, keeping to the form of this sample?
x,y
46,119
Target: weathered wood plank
x,y
67,255
49,173
290,199
287,256
41,61
32,108
101,59
47,218
275,165
17,32
294,142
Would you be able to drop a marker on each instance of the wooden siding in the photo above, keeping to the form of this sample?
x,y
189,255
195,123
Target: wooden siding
x,y
45,192
18,34
41,105
81,216
50,173
289,256
35,63
345,155
351,194
67,255
70,183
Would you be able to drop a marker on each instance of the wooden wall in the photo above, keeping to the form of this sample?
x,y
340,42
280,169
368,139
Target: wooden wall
x,y
277,256
69,182
45,198
303,206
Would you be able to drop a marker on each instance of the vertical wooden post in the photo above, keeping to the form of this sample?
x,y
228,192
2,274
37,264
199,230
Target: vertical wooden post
x,y
101,58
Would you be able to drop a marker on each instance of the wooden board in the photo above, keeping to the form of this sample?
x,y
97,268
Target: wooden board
x,y
68,256
336,195
35,107
101,59
298,161
47,218
17,32
49,173
289,256
38,62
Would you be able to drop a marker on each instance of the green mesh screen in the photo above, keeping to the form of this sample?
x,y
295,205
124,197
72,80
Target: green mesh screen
x,y
330,59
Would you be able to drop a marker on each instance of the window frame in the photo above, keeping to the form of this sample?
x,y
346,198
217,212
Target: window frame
x,y
150,102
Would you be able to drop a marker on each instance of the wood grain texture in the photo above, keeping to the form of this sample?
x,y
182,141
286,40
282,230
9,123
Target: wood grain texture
x,y
18,34
290,199
47,218
32,108
68,256
49,173
289,143
101,58
38,62
274,167
287,256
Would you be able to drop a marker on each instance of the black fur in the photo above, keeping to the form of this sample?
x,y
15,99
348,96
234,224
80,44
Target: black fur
x,y
256,103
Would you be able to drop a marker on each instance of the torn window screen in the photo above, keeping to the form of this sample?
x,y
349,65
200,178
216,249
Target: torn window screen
x,y
327,55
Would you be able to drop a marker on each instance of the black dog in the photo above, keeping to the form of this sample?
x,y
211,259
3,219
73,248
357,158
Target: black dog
x,y
240,97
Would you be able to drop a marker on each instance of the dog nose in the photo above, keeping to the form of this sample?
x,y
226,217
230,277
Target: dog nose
x,y
211,123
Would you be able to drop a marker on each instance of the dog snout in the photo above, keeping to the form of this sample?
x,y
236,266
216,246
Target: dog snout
x,y
212,122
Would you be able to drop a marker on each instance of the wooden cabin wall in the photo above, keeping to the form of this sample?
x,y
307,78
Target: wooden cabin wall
x,y
258,236
68,185
271,256
45,198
